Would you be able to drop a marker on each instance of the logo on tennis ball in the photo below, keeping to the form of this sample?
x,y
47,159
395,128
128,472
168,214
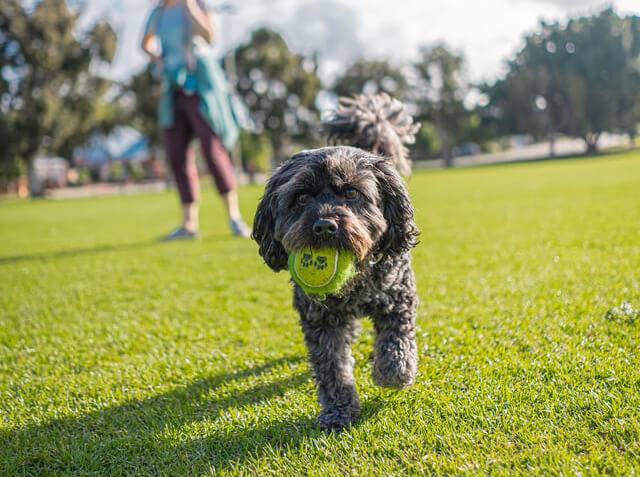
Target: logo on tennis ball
x,y
322,270
313,269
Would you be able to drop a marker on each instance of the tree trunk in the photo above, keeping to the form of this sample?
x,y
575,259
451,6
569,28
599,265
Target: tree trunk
x,y
446,152
552,145
444,140
278,156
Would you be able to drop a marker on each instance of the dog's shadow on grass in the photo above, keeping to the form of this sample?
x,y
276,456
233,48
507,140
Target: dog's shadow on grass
x,y
131,438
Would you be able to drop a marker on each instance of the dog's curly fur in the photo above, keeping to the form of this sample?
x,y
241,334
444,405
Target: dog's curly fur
x,y
376,225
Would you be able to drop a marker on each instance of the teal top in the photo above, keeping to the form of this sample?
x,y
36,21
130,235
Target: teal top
x,y
190,65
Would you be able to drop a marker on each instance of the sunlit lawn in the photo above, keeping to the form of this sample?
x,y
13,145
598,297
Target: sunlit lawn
x,y
121,355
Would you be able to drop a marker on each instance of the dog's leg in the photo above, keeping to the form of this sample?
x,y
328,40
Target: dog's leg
x,y
329,342
395,357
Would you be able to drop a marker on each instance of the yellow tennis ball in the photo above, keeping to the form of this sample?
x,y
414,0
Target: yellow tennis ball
x,y
320,271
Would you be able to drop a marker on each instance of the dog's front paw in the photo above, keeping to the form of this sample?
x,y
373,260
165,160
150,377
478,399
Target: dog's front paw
x,y
395,369
336,419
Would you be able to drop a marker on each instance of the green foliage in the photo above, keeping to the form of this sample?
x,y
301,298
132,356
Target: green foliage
x,y
84,175
439,95
427,143
103,42
512,110
116,171
371,77
142,106
134,171
278,87
11,168
123,356
256,152
50,101
578,79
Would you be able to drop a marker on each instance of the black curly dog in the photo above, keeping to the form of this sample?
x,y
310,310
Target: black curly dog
x,y
350,199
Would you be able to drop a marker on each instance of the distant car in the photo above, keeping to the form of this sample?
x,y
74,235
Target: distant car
x,y
466,149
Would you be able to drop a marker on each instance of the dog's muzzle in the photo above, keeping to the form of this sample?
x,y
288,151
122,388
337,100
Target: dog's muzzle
x,y
325,228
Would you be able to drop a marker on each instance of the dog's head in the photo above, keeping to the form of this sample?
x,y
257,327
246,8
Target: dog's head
x,y
341,197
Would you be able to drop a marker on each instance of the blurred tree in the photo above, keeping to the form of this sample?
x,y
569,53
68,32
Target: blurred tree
x,y
51,95
439,94
278,87
140,99
630,112
511,110
580,80
371,77
427,143
256,152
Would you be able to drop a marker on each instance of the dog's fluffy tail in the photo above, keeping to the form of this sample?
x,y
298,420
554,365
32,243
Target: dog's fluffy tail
x,y
379,123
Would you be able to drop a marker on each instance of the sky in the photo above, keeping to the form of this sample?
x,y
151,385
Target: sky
x,y
487,32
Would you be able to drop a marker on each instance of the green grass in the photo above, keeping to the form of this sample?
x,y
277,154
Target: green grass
x,y
123,356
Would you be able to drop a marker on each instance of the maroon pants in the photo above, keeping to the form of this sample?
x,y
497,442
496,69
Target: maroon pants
x,y
187,124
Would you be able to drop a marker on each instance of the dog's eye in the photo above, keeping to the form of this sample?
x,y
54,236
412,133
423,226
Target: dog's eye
x,y
351,194
302,199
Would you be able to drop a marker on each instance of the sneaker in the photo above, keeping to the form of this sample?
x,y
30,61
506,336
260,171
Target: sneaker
x,y
179,233
240,228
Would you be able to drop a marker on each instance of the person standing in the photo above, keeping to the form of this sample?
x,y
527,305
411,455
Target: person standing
x,y
195,103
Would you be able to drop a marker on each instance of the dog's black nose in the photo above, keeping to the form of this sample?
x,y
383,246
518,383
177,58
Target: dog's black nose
x,y
324,228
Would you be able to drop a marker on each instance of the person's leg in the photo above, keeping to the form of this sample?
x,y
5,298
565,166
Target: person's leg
x,y
218,162
182,161
219,165
190,213
230,200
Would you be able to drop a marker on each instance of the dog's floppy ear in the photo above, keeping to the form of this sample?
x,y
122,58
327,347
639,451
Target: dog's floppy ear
x,y
402,232
264,223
